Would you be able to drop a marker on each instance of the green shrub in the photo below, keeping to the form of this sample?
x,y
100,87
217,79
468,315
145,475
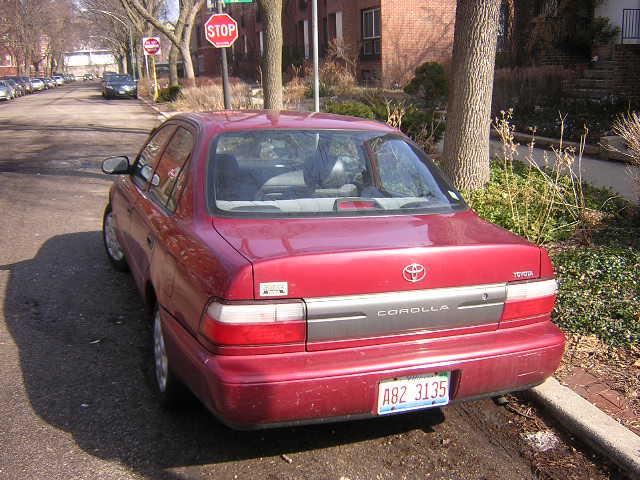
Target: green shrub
x,y
353,109
169,94
527,191
416,121
599,293
429,82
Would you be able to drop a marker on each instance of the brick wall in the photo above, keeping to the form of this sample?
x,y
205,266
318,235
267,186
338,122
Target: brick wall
x,y
414,32
626,72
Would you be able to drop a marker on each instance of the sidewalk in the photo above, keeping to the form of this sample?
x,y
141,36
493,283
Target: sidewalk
x,y
597,391
597,172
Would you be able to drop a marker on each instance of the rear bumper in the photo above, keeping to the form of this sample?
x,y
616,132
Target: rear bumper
x,y
309,387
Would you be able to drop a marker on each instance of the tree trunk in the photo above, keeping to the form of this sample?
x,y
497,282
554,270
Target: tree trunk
x,y
187,62
466,145
272,60
174,81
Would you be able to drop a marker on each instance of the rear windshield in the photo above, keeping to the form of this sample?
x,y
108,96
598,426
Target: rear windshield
x,y
324,172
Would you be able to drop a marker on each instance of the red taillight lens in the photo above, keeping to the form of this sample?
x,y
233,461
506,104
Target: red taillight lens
x,y
529,299
260,323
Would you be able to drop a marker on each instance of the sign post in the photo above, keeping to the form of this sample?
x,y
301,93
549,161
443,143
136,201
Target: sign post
x,y
222,31
152,48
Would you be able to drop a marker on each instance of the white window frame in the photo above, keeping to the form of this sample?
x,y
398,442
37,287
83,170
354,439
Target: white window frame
x,y
374,35
307,49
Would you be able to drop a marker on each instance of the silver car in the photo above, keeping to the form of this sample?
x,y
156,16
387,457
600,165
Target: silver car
x,y
38,84
6,92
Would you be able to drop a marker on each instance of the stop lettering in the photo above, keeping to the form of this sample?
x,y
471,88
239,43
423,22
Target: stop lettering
x,y
221,30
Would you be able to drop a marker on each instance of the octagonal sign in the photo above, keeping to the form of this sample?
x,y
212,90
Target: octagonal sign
x,y
221,30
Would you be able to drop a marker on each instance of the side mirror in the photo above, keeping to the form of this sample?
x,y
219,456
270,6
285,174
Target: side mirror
x,y
116,165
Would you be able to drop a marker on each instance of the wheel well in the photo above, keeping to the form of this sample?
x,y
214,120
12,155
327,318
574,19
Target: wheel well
x,y
150,298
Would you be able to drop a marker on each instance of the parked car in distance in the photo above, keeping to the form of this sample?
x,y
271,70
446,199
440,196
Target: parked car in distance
x,y
122,86
23,86
87,76
51,83
38,84
6,92
27,84
18,89
307,268
58,79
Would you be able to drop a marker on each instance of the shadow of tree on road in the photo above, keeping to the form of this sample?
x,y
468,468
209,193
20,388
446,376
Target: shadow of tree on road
x,y
85,355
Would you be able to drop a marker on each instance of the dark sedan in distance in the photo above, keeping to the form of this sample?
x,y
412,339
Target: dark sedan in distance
x,y
120,86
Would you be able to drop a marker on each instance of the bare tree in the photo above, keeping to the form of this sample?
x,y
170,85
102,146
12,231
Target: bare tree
x,y
466,144
180,33
127,22
37,32
272,59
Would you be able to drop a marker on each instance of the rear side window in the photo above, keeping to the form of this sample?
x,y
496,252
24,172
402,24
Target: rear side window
x,y
324,173
148,159
168,178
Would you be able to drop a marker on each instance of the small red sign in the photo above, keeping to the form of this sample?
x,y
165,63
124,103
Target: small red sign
x,y
151,45
221,30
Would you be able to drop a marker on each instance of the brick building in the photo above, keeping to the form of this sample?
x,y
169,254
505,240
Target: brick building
x,y
392,36
7,63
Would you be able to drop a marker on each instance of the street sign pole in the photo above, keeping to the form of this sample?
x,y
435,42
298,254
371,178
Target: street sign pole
x,y
226,90
316,73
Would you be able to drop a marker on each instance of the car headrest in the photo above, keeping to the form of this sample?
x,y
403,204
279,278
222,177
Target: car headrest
x,y
324,172
226,165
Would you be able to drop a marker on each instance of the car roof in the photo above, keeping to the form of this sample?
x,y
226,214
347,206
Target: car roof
x,y
269,119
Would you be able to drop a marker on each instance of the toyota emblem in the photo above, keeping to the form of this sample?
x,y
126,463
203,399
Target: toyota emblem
x,y
414,273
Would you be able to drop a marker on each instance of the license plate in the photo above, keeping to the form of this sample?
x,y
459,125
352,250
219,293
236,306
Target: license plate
x,y
413,393
122,92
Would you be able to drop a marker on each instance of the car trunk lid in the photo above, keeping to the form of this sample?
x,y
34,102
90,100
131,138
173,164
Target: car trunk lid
x,y
366,278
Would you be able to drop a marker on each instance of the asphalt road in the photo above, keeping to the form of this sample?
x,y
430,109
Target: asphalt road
x,y
75,353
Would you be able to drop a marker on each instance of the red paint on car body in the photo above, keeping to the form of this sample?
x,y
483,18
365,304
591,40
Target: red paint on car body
x,y
186,258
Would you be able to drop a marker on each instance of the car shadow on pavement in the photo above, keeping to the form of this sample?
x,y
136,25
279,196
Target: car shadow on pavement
x,y
85,355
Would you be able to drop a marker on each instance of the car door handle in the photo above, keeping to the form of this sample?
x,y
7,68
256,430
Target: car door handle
x,y
150,241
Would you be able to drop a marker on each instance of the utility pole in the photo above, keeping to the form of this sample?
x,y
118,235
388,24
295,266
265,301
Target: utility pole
x,y
316,69
225,69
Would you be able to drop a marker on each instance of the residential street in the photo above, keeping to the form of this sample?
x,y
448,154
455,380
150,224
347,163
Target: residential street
x,y
75,350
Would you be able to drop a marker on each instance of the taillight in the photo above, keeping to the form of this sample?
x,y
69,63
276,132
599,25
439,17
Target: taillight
x,y
259,323
529,299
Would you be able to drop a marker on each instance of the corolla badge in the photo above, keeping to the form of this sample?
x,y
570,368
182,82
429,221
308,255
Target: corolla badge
x,y
414,273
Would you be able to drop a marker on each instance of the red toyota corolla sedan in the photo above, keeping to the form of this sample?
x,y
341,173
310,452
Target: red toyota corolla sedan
x,y
304,268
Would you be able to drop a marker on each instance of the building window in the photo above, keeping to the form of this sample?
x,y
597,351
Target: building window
x,y
307,48
371,32
503,28
549,8
302,4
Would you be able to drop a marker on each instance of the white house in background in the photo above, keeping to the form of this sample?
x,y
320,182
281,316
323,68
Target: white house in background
x,y
90,61
624,14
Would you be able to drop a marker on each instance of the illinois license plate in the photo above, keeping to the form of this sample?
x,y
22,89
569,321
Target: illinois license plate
x,y
413,393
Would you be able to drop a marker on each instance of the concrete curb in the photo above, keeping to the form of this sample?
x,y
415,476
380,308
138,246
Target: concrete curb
x,y
591,425
163,115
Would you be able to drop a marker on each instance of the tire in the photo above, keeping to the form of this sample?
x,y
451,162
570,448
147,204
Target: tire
x,y
115,252
171,392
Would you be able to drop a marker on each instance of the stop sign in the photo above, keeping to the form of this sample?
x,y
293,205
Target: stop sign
x,y
221,30
151,45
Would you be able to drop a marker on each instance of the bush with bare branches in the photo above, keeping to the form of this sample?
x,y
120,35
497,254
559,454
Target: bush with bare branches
x,y
209,97
628,128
